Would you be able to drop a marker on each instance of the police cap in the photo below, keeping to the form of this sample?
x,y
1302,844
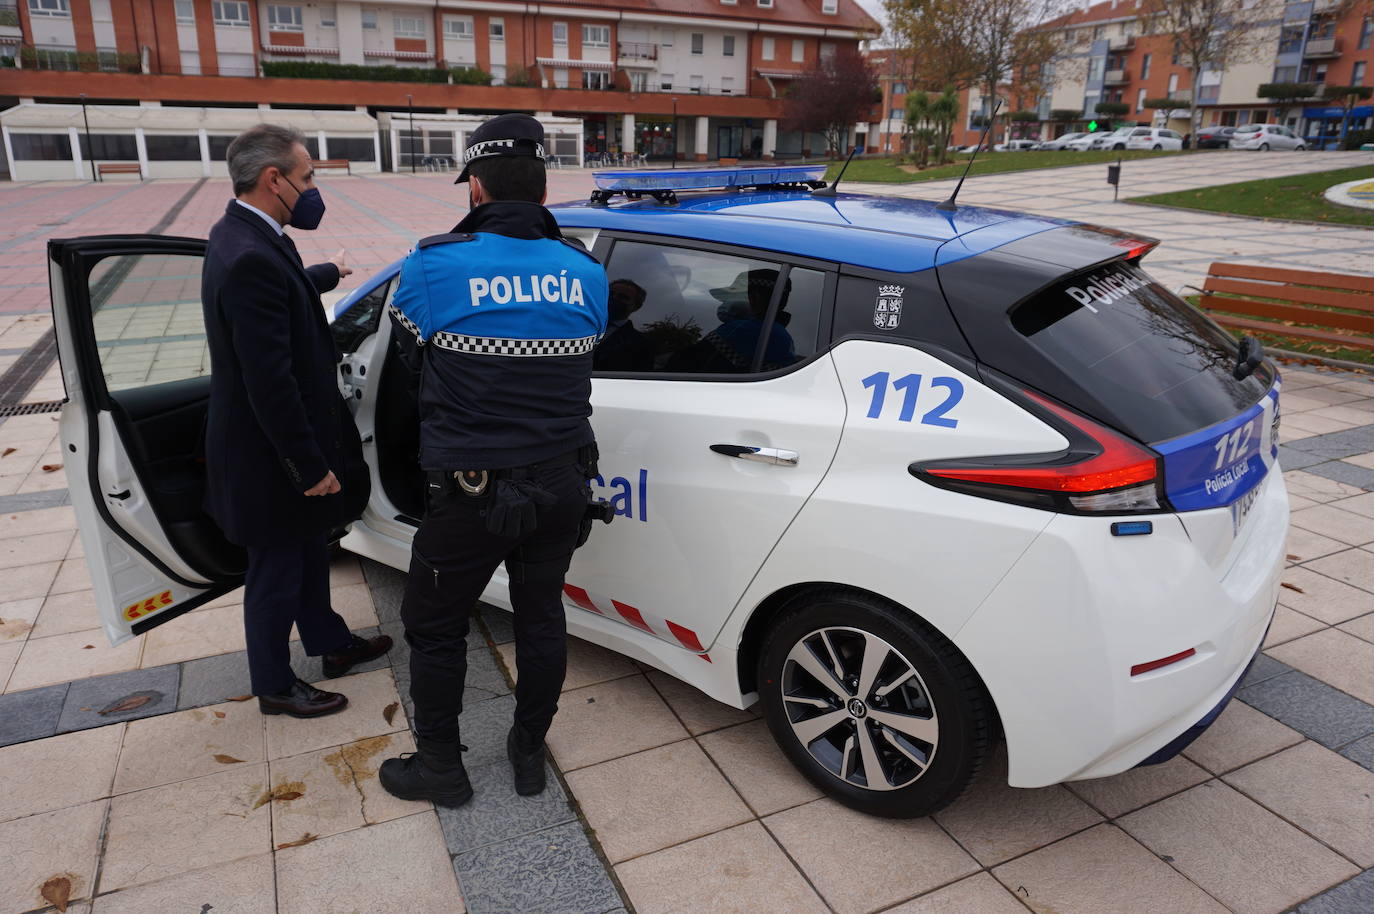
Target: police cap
x,y
504,135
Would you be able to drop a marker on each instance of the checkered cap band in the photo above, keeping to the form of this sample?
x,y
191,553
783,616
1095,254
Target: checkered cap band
x,y
488,345
488,148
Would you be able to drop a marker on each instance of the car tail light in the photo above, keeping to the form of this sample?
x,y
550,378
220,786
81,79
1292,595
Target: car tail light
x,y
1100,472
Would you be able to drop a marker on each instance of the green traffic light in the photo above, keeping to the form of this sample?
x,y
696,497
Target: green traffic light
x,y
1092,126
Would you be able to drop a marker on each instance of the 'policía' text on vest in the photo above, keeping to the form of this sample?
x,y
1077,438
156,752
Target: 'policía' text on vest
x,y
546,288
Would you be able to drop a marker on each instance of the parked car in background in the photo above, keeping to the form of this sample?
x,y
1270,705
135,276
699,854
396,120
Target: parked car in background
x,y
1153,138
1114,140
1017,146
1265,137
1062,142
1216,137
1083,142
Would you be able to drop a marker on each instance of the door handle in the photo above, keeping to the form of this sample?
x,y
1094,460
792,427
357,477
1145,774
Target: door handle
x,y
772,455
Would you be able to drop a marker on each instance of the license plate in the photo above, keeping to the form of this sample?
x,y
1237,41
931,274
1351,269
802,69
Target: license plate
x,y
1240,509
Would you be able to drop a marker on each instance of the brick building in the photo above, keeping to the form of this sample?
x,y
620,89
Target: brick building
x,y
698,79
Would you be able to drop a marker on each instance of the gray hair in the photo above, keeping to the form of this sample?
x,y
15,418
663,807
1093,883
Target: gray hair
x,y
258,148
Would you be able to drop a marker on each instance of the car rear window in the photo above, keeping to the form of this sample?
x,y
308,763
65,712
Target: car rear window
x,y
1251,128
1158,364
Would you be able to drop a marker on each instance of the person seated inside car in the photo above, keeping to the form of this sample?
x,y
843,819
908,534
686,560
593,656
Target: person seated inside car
x,y
624,347
730,348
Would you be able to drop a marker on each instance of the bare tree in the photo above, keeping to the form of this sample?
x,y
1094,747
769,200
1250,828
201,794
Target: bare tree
x,y
1212,34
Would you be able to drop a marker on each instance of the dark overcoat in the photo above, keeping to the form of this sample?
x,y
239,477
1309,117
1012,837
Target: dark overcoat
x,y
277,423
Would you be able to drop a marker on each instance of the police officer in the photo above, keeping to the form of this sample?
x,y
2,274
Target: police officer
x,y
499,318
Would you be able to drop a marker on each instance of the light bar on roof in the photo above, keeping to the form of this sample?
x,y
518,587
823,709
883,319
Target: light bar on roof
x,y
650,181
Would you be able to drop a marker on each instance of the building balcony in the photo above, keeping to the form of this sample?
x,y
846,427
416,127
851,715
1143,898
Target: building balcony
x,y
1184,96
1322,47
1325,6
636,50
1121,44
1115,78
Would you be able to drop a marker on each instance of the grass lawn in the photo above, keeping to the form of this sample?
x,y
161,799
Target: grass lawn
x,y
886,171
1294,197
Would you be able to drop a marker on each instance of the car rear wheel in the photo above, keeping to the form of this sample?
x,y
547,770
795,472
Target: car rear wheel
x,y
1156,147
1299,148
872,705
1264,147
1119,146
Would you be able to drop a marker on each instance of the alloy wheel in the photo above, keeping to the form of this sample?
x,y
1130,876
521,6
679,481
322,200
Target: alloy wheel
x,y
860,708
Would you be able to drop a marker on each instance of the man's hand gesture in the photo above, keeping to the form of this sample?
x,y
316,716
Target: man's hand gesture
x,y
327,486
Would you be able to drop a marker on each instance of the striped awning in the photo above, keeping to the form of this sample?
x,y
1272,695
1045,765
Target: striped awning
x,y
400,55
561,63
294,49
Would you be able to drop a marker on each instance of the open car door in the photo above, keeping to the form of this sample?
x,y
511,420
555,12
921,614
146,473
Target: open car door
x,y
131,338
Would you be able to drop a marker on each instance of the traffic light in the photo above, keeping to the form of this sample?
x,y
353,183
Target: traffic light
x,y
1092,126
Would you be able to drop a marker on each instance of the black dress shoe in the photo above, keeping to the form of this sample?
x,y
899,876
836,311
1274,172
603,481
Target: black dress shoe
x,y
359,650
527,763
433,772
302,700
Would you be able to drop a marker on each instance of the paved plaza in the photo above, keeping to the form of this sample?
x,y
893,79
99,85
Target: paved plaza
x,y
134,779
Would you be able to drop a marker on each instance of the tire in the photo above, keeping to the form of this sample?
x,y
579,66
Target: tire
x,y
1264,147
949,723
1300,148
1156,147
1119,146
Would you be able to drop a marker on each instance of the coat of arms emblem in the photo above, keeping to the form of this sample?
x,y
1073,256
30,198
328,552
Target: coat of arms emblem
x,y
887,313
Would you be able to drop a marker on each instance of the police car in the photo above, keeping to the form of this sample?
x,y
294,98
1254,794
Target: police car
x,y
916,478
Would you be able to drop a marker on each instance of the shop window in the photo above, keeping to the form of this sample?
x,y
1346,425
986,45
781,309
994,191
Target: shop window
x,y
219,147
118,147
41,147
172,148
355,149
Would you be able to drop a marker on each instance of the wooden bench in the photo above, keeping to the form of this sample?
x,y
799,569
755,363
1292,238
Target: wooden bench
x,y
119,168
1235,295
334,163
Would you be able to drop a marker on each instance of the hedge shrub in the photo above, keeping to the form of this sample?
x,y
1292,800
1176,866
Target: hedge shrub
x,y
305,69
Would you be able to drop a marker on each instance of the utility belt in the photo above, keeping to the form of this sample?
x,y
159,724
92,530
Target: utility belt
x,y
512,495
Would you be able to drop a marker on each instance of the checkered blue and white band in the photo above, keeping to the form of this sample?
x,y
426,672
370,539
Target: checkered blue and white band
x,y
489,345
495,148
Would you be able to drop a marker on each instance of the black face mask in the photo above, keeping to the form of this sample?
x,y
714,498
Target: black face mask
x,y
309,208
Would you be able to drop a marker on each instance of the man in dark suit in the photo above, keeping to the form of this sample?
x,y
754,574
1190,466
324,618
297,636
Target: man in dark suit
x,y
283,460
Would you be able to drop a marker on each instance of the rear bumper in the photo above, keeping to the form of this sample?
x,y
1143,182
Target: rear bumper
x,y
1057,638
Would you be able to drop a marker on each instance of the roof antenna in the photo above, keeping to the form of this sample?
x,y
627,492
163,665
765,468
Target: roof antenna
x,y
829,189
948,206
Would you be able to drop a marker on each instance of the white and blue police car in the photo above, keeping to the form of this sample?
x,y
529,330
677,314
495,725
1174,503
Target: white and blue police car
x,y
914,478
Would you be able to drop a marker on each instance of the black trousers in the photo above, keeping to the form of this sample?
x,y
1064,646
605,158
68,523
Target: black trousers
x,y
451,563
288,584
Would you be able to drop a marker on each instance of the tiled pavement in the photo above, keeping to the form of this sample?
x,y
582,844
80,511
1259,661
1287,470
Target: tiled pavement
x,y
190,799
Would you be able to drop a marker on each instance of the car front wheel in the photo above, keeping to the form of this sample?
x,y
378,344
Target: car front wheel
x,y
1119,146
1300,148
872,705
1156,147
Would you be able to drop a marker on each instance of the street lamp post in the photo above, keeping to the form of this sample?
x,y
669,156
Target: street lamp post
x,y
674,131
87,121
410,103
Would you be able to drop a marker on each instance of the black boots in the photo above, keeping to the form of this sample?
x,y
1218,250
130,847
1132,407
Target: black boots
x,y
433,772
527,759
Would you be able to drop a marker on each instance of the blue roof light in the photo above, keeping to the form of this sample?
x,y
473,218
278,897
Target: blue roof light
x,y
647,182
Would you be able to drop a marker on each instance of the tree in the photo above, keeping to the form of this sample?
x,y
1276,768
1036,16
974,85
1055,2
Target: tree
x,y
1166,104
1210,34
1113,109
829,98
1283,95
1066,115
1347,97
932,120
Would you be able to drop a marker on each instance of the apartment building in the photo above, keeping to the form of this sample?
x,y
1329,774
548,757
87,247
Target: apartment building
x,y
694,79
1117,54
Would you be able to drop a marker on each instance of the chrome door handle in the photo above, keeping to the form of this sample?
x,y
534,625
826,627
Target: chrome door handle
x,y
773,455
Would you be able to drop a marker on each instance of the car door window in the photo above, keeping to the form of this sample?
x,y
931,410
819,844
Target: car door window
x,y
149,328
683,310
1141,132
360,321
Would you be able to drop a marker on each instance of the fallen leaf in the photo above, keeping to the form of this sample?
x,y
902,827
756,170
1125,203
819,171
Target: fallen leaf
x,y
303,839
219,714
1293,587
88,647
241,697
288,796
284,792
1292,557
51,467
128,703
9,451
228,760
56,891
389,712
